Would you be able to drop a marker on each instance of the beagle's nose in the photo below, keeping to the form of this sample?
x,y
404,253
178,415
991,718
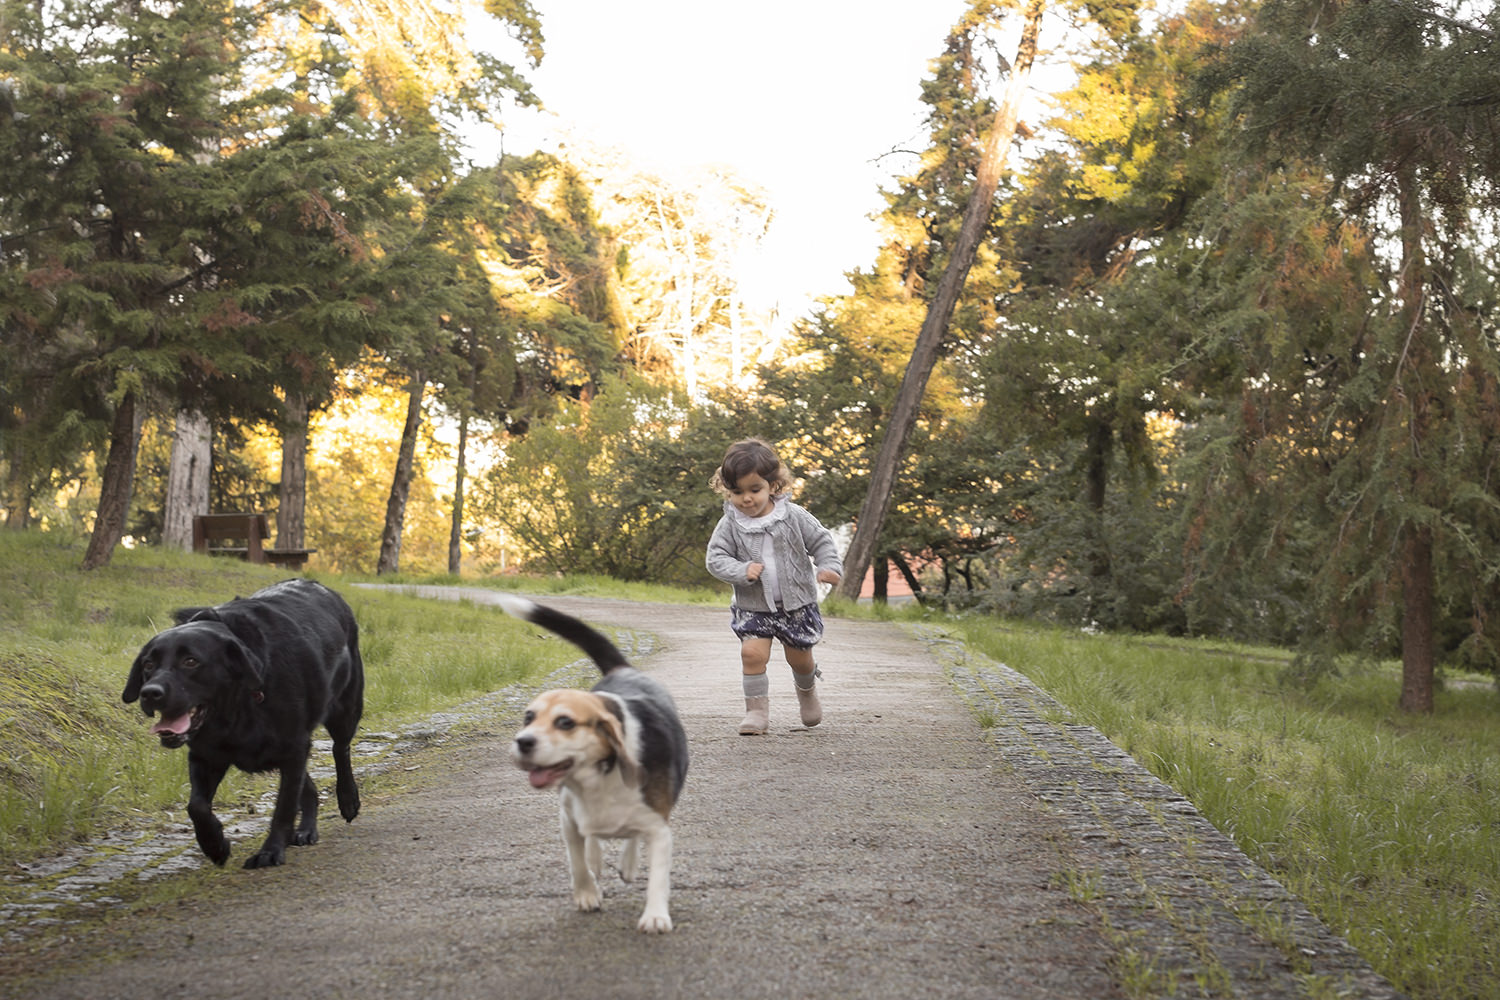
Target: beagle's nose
x,y
525,744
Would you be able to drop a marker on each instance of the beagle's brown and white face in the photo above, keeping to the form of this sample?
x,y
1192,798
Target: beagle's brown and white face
x,y
569,733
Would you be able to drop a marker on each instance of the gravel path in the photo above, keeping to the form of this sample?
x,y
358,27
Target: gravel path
x,y
898,850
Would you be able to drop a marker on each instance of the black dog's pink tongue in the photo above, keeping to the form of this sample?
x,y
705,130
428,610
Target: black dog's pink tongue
x,y
178,725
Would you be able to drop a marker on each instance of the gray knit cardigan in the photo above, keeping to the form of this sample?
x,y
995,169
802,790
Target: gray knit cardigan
x,y
802,547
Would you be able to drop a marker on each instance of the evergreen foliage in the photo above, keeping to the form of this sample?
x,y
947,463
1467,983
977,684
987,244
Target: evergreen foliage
x,y
1396,108
224,207
616,488
1225,362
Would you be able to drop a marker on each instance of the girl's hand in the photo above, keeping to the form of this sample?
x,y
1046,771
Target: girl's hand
x,y
829,576
752,572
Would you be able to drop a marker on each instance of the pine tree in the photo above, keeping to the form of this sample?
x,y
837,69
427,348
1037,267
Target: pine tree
x,y
112,106
1397,103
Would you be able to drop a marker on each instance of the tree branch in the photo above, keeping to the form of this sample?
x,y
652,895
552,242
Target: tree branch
x,y
1452,22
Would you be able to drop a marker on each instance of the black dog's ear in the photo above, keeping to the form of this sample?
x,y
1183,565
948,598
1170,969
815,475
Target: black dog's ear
x,y
184,615
244,665
133,682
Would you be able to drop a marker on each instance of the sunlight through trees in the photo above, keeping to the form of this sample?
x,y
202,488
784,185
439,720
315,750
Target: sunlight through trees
x,y
1211,351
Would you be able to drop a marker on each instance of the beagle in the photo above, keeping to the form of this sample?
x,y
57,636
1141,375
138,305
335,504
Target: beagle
x,y
618,753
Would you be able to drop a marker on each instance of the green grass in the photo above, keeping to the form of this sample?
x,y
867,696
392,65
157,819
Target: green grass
x,y
573,586
1387,825
75,761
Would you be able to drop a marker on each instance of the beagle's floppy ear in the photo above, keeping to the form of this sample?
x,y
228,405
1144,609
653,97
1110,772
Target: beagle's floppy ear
x,y
613,730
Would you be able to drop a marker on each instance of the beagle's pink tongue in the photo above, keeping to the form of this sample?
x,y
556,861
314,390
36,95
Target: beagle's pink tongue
x,y
541,777
178,725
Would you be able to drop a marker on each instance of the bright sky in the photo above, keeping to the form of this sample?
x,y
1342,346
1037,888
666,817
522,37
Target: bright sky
x,y
802,97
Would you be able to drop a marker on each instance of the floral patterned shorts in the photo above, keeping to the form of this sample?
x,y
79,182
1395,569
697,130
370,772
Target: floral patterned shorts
x,y
800,628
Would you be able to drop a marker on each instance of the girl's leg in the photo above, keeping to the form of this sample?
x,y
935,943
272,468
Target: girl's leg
x,y
755,654
800,660
805,674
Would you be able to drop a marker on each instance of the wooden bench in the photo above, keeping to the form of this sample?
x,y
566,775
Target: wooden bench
x,y
247,528
291,558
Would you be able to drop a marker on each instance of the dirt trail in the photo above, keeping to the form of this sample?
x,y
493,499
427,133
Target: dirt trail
x,y
890,852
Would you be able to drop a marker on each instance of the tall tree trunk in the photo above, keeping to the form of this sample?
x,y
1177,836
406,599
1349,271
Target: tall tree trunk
x,y
114,489
1416,379
1418,649
915,585
395,508
187,478
455,537
940,310
1100,440
18,491
291,503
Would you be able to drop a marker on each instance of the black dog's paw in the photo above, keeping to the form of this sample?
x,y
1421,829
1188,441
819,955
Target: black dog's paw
x,y
217,853
302,838
268,857
348,804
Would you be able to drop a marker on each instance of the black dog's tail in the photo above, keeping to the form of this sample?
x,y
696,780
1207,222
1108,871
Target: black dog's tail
x,y
599,648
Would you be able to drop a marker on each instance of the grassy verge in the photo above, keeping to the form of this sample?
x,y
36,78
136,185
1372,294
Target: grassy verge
x,y
574,586
75,761
1383,823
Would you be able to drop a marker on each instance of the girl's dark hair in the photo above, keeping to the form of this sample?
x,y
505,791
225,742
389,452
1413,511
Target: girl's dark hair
x,y
751,455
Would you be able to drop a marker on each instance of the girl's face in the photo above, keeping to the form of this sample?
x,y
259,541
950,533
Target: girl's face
x,y
752,495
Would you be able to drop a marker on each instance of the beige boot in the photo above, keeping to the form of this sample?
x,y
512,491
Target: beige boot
x,y
812,708
757,717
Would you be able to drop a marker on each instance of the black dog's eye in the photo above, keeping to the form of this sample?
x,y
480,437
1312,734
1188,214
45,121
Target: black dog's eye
x,y
564,722
188,663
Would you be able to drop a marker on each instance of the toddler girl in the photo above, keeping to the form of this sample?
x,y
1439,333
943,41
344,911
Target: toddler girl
x,y
774,553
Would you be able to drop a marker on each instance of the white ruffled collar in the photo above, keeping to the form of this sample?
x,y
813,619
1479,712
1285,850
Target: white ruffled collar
x,y
777,512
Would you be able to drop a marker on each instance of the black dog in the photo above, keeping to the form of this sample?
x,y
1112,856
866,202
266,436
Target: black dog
x,y
245,683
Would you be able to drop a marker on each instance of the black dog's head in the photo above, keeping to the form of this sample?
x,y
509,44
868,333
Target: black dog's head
x,y
187,672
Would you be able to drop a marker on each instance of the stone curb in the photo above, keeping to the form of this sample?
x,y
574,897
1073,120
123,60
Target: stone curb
x,y
1191,914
